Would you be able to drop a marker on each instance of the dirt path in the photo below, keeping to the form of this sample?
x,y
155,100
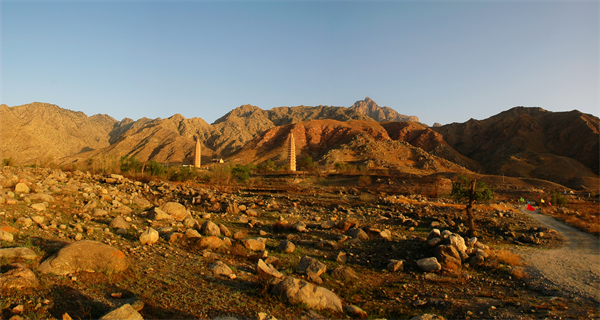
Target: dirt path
x,y
575,267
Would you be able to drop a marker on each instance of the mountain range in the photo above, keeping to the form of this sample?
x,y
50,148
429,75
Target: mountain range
x,y
562,147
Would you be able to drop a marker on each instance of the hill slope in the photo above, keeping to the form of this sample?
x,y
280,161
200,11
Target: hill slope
x,y
43,132
531,142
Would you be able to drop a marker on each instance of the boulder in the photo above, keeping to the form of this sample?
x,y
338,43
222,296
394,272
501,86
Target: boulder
x,y
85,255
99,212
6,236
428,316
395,265
119,223
343,273
434,233
21,188
448,255
211,242
264,269
311,266
158,214
124,312
220,268
355,312
41,206
209,228
191,234
429,264
254,244
18,253
286,246
42,197
18,278
176,210
224,231
358,233
458,242
347,223
297,291
149,237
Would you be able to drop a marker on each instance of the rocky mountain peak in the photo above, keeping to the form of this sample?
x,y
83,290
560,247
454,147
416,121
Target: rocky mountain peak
x,y
370,108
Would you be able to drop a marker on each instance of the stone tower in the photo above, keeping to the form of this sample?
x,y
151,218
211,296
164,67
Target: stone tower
x,y
292,153
197,154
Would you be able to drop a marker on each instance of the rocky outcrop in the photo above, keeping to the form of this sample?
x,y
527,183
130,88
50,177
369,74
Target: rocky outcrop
x,y
369,108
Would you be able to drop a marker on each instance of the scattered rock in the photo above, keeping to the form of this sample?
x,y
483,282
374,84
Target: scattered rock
x,y
263,269
176,210
83,256
17,253
124,312
429,264
18,278
209,228
253,244
297,291
149,237
286,246
220,268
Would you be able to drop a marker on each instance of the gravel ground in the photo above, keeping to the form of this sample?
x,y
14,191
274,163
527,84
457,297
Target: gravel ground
x,y
574,267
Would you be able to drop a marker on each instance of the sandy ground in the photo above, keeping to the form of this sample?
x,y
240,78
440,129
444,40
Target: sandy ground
x,y
575,267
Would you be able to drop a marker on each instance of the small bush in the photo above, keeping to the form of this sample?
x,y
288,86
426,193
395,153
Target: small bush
x,y
8,162
507,257
241,172
559,200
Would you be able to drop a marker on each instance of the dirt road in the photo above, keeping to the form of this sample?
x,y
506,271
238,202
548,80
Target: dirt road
x,y
575,267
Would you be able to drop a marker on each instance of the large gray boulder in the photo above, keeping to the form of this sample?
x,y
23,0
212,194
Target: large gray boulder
x,y
297,291
85,255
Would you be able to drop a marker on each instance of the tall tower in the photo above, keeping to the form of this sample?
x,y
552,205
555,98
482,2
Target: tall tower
x,y
292,153
197,154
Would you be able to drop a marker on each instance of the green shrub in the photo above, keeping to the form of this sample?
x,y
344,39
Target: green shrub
x,y
130,164
155,169
241,172
559,200
8,162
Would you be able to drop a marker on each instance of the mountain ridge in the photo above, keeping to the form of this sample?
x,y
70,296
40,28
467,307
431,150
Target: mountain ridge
x,y
531,142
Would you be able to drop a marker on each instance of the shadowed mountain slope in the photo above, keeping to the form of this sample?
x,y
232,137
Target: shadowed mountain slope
x,y
531,142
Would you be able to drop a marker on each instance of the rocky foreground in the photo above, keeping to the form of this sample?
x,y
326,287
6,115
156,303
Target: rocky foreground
x,y
77,245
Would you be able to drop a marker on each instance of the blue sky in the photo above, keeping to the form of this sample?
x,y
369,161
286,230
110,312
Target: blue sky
x,y
440,61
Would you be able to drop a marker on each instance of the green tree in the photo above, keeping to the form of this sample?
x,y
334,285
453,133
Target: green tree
x,y
241,172
130,164
471,190
266,166
155,168
308,164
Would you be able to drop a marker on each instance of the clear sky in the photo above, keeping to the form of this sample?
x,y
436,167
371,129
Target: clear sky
x,y
440,61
